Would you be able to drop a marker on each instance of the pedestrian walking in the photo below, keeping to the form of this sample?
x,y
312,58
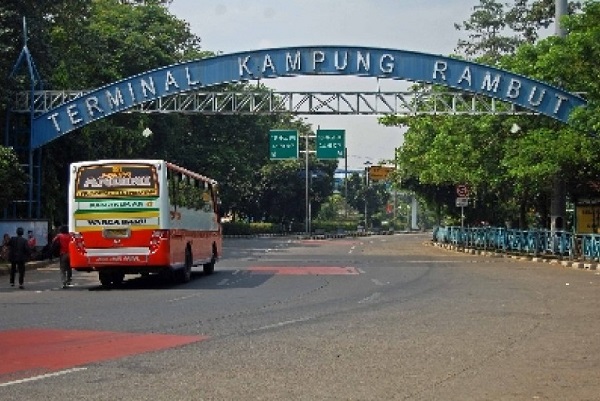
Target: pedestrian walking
x,y
18,254
61,241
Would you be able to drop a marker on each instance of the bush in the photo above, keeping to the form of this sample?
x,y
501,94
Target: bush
x,y
244,228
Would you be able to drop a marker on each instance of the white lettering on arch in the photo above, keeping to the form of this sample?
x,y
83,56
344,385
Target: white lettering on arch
x,y
318,58
466,76
536,102
131,91
386,64
92,106
489,84
439,68
148,86
294,64
73,114
114,101
559,101
53,117
514,89
170,81
364,61
341,66
243,66
268,65
190,80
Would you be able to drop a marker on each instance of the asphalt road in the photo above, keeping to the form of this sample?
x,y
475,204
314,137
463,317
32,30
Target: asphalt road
x,y
371,318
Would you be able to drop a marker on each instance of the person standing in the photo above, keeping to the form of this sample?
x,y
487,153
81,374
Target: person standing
x,y
18,253
5,241
62,239
31,241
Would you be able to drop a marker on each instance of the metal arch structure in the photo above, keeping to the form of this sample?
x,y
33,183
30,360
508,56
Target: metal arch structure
x,y
188,87
461,75
417,102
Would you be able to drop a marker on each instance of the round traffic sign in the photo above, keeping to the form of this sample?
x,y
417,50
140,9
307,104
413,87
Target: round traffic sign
x,y
462,191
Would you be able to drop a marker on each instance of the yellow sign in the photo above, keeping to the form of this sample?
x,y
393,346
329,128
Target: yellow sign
x,y
588,219
379,173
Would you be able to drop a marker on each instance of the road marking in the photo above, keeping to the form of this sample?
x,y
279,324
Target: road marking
x,y
28,352
377,282
182,298
304,270
361,271
370,298
223,282
282,324
40,377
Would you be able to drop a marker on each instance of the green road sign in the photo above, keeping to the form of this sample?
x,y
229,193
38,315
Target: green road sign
x,y
331,143
283,144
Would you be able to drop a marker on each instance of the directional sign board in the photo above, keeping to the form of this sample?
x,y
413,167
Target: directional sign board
x,y
331,143
283,144
379,173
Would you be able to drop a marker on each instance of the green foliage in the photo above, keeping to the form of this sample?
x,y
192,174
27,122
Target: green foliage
x,y
12,177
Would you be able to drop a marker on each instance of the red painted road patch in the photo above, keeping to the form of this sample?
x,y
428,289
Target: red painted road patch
x,y
304,270
31,352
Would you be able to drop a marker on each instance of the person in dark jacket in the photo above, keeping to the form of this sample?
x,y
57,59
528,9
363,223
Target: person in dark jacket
x,y
18,254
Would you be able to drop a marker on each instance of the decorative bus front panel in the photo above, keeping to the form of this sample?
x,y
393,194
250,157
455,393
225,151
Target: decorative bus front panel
x,y
142,217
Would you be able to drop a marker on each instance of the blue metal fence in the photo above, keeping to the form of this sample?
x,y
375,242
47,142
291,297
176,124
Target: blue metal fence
x,y
531,242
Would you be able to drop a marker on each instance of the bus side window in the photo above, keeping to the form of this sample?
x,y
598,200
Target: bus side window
x,y
172,180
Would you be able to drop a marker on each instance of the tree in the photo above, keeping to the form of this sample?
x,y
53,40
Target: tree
x,y
497,29
12,177
375,195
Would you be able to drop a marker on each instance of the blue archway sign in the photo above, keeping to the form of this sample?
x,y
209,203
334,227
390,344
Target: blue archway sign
x,y
310,60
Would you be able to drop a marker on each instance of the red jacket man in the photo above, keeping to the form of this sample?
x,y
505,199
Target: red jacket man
x,y
62,239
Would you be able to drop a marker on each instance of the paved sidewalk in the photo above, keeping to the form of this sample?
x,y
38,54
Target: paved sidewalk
x,y
32,265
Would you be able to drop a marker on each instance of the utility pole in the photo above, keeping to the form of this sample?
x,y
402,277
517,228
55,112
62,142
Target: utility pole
x,y
558,203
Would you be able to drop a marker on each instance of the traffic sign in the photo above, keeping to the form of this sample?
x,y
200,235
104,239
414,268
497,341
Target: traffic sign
x,y
379,173
462,202
283,144
331,143
462,191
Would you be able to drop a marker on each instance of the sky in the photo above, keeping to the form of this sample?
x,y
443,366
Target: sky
x,y
419,25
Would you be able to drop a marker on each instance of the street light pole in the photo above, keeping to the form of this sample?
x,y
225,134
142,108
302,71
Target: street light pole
x,y
307,203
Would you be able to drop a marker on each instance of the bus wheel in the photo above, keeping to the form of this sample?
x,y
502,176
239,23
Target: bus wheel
x,y
105,278
209,268
186,273
108,279
117,278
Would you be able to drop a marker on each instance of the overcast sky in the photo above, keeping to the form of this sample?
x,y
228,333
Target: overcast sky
x,y
420,25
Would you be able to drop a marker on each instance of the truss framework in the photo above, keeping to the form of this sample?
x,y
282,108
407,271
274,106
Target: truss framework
x,y
319,103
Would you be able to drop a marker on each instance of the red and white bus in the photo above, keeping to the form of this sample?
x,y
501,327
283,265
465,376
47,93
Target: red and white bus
x,y
142,217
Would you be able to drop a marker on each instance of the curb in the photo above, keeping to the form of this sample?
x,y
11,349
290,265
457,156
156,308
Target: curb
x,y
553,260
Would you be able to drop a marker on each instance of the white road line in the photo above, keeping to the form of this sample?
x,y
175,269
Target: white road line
x,y
223,282
370,298
34,378
361,271
281,324
182,298
377,282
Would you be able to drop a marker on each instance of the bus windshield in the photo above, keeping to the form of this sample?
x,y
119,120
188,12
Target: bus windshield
x,y
116,180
